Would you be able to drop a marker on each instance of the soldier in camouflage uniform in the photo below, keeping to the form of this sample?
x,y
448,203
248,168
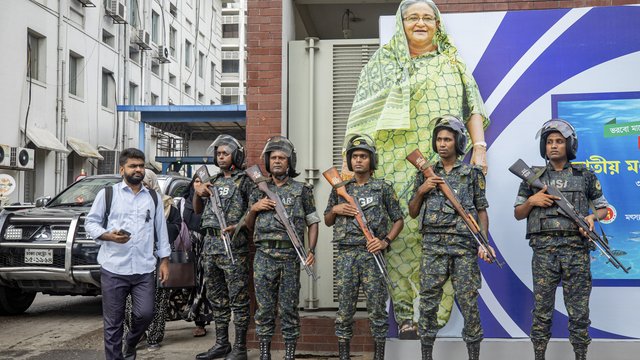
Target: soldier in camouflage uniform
x,y
276,269
448,248
227,284
560,249
355,264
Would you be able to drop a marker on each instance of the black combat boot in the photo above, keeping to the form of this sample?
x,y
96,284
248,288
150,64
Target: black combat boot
x,y
539,349
221,348
474,350
239,351
344,350
580,351
289,350
427,352
265,348
378,351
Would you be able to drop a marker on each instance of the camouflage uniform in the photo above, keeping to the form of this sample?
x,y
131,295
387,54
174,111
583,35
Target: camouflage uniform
x,y
560,253
449,250
276,268
227,284
354,264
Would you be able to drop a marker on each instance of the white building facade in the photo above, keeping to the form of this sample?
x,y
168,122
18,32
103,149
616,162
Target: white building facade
x,y
69,63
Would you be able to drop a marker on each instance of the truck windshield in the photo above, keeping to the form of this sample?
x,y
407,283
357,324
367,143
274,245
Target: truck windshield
x,y
83,192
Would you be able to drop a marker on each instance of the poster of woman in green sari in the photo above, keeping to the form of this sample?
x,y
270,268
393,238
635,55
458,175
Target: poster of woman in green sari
x,y
413,79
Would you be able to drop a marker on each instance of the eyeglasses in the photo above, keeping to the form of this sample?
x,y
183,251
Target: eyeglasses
x,y
413,19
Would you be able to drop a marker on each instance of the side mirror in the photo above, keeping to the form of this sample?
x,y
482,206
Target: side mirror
x,y
42,201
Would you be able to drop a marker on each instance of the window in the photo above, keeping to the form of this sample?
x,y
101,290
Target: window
x,y
173,34
155,21
187,89
36,51
76,78
172,79
108,38
76,15
230,66
187,53
134,54
154,99
213,73
173,10
108,89
133,99
134,14
229,100
200,97
189,24
201,65
155,67
229,31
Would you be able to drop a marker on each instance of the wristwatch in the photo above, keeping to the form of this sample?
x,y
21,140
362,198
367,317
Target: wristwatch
x,y
313,251
387,240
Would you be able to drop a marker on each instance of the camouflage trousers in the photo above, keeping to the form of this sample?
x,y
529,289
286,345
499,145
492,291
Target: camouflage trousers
x,y
228,288
572,266
355,268
438,264
276,274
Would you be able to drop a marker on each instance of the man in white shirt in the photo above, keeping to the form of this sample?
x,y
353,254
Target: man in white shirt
x,y
126,221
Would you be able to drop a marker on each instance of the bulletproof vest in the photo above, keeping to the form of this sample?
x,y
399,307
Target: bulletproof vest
x,y
438,214
548,221
268,225
234,204
346,230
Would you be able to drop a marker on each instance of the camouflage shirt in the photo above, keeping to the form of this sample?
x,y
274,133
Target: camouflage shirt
x,y
297,198
546,226
437,214
378,201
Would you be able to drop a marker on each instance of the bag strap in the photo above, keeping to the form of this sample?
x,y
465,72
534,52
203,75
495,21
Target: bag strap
x,y
108,198
154,196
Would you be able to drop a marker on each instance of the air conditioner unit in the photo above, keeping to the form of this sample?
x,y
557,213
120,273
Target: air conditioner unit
x,y
143,39
162,55
5,156
116,10
22,158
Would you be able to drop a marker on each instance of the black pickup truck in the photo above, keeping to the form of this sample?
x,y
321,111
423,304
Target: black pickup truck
x,y
46,249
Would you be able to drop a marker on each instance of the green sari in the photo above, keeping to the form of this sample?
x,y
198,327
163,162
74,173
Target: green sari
x,y
396,100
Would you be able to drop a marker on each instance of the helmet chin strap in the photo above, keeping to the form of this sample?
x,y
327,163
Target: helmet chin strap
x,y
283,176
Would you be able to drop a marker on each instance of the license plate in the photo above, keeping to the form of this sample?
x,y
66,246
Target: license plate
x,y
38,256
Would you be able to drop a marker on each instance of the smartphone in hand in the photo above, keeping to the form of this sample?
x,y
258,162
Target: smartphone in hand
x,y
124,232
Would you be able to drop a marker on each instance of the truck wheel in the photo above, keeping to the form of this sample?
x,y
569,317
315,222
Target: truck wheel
x,y
14,301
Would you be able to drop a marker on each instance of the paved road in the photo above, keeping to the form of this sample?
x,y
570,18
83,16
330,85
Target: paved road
x,y
70,328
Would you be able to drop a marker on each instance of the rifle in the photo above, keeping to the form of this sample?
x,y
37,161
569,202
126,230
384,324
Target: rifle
x,y
333,177
216,207
420,162
524,172
256,175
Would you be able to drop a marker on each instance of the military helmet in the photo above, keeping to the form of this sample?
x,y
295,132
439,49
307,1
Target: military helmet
x,y
236,149
280,143
453,124
565,129
362,142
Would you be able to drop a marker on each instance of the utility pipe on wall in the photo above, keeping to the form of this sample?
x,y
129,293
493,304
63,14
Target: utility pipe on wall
x,y
312,298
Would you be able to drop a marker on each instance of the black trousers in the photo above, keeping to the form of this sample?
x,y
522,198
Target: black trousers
x,y
115,289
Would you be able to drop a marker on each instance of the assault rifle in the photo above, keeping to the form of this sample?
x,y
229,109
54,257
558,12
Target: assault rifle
x,y
333,177
216,207
524,172
256,175
420,162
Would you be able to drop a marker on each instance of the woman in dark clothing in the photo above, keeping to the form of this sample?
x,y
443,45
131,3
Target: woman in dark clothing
x,y
197,307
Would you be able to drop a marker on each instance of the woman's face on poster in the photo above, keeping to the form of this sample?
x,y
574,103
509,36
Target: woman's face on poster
x,y
420,24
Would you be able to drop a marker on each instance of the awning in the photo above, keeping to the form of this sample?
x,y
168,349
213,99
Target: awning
x,y
83,148
43,139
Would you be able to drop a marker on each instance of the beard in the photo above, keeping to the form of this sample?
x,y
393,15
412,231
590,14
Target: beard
x,y
134,179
